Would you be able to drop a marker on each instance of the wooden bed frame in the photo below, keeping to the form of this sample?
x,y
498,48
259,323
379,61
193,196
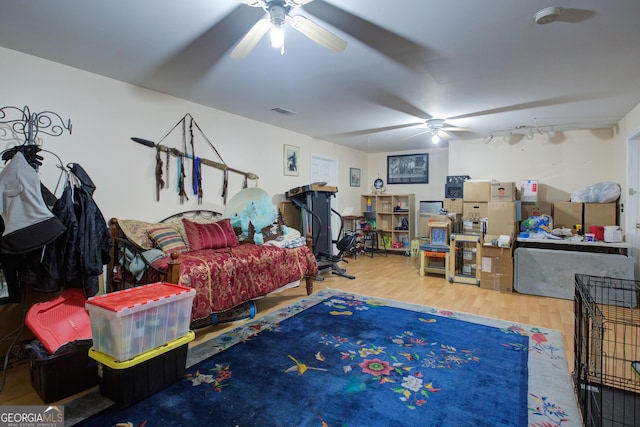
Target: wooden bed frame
x,y
172,275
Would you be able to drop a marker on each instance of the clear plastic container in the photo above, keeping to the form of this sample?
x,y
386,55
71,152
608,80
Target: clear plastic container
x,y
127,323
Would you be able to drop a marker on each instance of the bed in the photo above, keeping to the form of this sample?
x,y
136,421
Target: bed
x,y
201,250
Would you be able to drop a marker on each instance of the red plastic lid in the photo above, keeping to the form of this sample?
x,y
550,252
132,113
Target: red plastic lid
x,y
61,320
132,297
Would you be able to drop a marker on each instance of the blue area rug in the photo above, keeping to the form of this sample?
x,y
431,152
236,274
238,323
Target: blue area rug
x,y
338,359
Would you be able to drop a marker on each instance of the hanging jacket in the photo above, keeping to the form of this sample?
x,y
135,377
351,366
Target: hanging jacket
x,y
76,259
94,239
61,259
29,224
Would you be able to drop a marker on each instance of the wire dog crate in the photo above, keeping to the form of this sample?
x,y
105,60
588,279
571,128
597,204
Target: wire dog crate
x,y
606,344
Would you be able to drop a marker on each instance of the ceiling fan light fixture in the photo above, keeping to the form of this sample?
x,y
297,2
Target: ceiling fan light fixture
x,y
276,35
507,137
551,133
435,138
529,134
488,138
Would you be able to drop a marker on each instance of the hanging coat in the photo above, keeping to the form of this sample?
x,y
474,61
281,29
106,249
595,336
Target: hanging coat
x,y
94,239
61,259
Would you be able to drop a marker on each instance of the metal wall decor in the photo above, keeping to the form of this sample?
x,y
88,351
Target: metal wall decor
x,y
21,121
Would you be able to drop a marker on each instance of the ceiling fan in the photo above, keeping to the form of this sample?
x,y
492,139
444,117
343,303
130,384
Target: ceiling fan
x,y
277,11
438,129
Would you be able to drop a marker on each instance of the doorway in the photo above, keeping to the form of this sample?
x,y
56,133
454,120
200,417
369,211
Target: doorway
x,y
325,169
632,214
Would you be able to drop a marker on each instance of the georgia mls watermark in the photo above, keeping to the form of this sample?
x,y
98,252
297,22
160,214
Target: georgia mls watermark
x,y
32,416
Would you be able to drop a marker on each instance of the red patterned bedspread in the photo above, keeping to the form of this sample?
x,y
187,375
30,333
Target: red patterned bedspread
x,y
225,278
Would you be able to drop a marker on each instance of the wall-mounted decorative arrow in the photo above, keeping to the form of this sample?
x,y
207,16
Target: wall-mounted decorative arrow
x,y
197,161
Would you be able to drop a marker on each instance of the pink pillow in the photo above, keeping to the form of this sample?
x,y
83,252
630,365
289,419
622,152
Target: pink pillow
x,y
214,235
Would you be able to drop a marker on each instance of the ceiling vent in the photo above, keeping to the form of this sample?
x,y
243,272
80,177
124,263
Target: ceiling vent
x,y
547,15
283,111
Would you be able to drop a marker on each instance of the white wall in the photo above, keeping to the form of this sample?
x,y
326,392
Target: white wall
x,y
105,113
434,190
568,162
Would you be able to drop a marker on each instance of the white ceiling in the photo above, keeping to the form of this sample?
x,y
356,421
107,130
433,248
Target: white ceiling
x,y
479,64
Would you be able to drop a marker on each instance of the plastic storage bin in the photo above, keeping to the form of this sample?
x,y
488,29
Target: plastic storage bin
x,y
127,323
138,378
61,320
55,377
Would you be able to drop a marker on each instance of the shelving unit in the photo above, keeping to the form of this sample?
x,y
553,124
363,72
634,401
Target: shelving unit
x,y
389,211
465,255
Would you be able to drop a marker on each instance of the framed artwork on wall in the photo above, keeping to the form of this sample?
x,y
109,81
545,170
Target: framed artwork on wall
x,y
408,169
354,177
291,160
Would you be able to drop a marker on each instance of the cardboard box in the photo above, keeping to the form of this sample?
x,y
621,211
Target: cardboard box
x,y
477,191
502,218
453,205
497,268
599,214
503,191
499,239
529,190
475,211
543,208
567,214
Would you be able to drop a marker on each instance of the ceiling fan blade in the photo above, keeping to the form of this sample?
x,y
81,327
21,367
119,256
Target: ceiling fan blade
x,y
443,135
296,3
249,41
417,134
456,129
318,34
252,3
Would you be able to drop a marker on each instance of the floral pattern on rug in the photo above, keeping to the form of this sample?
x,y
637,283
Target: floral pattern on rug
x,y
402,363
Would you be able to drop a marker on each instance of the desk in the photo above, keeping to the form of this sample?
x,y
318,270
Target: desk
x,y
434,252
547,267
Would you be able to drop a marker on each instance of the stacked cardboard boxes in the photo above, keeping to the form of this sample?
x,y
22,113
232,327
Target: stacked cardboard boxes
x,y
493,202
497,265
569,214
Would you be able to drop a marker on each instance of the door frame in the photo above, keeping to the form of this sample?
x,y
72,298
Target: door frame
x,y
632,198
335,225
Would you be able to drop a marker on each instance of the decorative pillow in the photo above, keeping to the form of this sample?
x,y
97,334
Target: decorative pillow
x,y
168,239
137,232
215,235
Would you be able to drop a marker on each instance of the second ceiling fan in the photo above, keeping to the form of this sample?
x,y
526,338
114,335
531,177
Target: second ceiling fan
x,y
438,129
278,11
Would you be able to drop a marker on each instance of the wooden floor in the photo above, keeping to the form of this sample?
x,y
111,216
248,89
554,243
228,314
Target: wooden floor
x,y
395,277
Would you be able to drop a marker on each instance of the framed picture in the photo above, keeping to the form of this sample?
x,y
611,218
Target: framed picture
x,y
291,160
408,169
354,177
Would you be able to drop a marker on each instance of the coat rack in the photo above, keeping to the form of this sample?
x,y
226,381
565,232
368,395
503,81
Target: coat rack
x,y
23,121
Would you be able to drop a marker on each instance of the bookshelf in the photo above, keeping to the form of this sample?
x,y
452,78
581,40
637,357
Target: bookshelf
x,y
390,213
